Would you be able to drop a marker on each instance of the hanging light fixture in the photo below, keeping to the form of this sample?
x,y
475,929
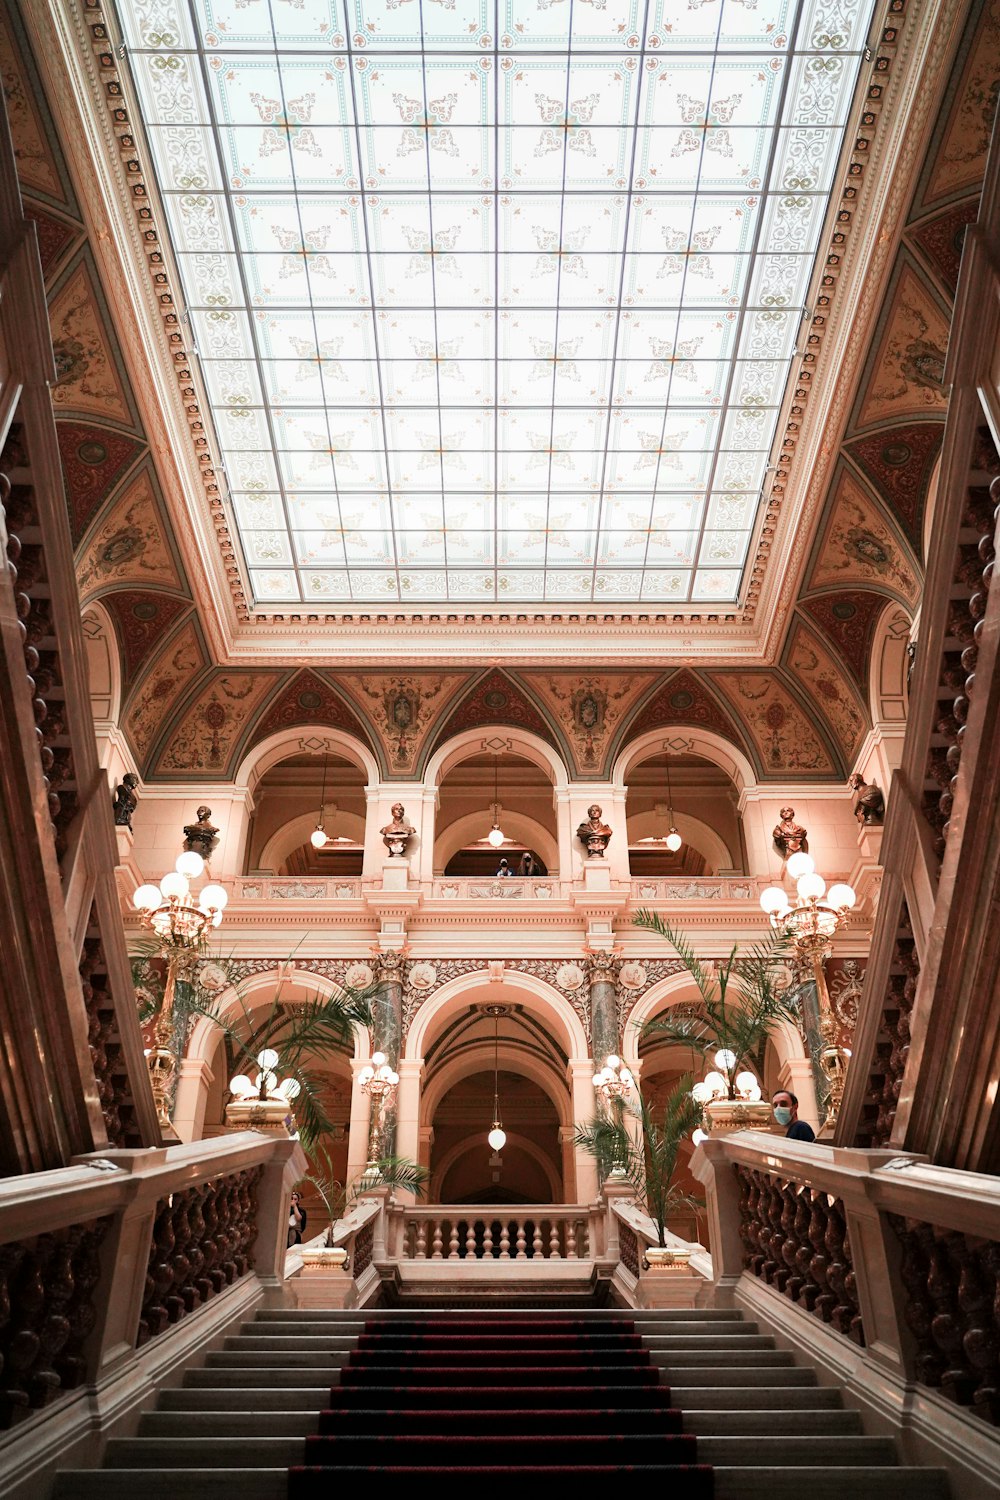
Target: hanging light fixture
x,y
673,839
495,837
318,837
497,1137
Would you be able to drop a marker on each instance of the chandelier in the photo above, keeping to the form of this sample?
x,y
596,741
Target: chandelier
x,y
318,837
262,1103
169,911
378,1079
497,1136
613,1080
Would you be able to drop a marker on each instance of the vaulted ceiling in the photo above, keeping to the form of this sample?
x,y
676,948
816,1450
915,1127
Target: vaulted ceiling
x,y
784,676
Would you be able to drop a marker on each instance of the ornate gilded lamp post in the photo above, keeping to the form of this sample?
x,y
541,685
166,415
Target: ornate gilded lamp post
x,y
812,923
179,925
378,1080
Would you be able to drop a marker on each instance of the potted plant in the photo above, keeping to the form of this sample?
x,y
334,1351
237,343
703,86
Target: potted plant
x,y
740,1005
648,1161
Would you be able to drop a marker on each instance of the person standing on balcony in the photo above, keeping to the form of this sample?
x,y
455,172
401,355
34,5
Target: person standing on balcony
x,y
786,1111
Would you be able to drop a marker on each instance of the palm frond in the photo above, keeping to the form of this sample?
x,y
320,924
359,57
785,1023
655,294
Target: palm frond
x,y
395,1172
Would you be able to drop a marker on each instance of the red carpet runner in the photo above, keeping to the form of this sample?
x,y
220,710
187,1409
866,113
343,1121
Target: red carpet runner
x,y
525,1397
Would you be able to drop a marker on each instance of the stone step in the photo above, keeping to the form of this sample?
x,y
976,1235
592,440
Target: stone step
x,y
754,1397
735,1374
827,1422
215,1451
695,1353
189,1399
389,1315
789,1482
317,1359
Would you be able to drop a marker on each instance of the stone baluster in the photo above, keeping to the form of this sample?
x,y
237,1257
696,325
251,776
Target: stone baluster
x,y
470,1240
453,1240
520,1251
536,1240
437,1243
504,1240
488,1240
571,1239
554,1252
420,1251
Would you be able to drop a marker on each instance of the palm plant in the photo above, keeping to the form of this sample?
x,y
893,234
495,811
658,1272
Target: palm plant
x,y
740,1004
392,1172
647,1161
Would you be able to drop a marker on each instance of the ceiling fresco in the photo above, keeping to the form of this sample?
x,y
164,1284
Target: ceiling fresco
x,y
798,718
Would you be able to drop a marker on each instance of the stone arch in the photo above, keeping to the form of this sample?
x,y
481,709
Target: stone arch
x,y
104,663
678,988
260,987
694,831
453,995
516,825
318,739
290,836
514,1138
519,742
889,665
694,741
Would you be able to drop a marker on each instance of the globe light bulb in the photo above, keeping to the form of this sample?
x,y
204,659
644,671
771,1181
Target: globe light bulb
x,y
745,1082
268,1058
213,898
240,1085
701,1093
318,837
717,1084
612,1060
773,899
626,1078
674,841
811,887
800,864
495,836
497,1137
189,864
725,1059
366,1075
174,886
698,1136
842,897
393,1077
146,898
290,1087
378,1058
597,1080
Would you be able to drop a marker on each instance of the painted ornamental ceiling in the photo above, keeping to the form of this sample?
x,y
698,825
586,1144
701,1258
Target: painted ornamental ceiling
x,y
495,302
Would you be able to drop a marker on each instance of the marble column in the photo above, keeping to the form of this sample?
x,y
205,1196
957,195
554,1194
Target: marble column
x,y
387,1033
602,978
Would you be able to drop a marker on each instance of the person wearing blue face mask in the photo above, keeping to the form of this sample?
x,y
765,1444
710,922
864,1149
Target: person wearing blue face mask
x,y
786,1111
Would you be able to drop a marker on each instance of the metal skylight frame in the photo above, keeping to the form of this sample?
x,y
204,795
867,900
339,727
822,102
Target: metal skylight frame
x,y
182,68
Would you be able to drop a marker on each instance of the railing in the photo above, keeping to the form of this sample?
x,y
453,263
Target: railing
x,y
60,923
743,888
497,1233
281,888
488,888
889,1252
107,1256
933,1051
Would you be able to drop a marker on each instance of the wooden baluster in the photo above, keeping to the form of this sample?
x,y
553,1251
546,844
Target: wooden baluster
x,y
437,1242
488,1241
505,1240
470,1240
571,1239
554,1253
536,1240
520,1253
421,1251
453,1241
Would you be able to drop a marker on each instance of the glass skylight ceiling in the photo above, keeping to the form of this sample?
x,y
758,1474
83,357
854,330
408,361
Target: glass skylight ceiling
x,y
495,300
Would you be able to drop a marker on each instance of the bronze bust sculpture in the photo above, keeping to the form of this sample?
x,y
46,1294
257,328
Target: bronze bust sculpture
x,y
869,808
397,834
790,837
594,834
201,837
126,801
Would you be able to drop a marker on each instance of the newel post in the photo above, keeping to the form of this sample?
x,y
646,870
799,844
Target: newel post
x,y
714,1170
286,1166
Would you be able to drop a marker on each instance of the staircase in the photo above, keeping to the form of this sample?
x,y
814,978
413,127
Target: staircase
x,y
526,1393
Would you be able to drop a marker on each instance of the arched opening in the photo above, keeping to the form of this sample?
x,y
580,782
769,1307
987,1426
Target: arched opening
x,y
465,1168
500,787
703,799
290,798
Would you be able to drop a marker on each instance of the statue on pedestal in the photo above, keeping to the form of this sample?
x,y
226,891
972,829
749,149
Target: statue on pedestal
x,y
126,801
397,834
201,837
594,834
790,837
869,808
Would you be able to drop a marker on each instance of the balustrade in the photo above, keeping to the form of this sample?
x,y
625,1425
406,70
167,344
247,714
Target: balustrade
x,y
892,1045
469,1234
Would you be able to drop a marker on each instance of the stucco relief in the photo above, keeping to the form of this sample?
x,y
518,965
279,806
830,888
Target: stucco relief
x,y
907,370
130,544
172,672
87,377
827,686
859,547
402,708
212,725
785,738
588,709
